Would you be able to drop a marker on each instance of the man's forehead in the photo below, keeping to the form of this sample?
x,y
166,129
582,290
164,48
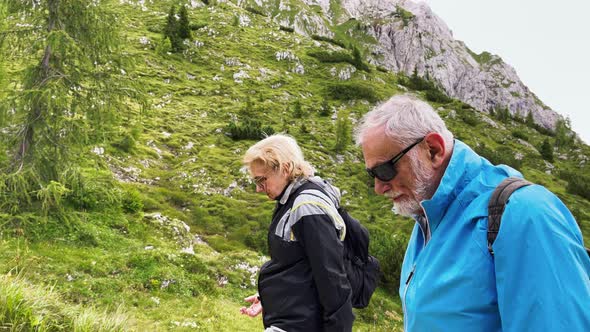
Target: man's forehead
x,y
379,149
379,140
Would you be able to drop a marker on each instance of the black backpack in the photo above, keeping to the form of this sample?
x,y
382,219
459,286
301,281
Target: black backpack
x,y
498,203
362,269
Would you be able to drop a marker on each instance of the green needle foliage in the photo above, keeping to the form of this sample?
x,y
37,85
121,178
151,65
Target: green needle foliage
x,y
70,93
547,151
184,29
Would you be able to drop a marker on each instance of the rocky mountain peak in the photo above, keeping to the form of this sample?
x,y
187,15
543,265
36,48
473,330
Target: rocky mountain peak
x,y
411,37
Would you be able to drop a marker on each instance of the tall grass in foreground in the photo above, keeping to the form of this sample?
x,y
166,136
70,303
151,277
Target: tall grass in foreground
x,y
26,307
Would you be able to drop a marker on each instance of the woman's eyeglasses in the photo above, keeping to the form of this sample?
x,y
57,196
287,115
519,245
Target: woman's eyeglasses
x,y
260,180
386,171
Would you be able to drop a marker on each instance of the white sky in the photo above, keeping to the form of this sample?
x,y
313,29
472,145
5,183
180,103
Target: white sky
x,y
547,43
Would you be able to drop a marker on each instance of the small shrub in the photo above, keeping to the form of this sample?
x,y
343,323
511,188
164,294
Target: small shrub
x,y
303,128
357,60
248,129
544,131
469,118
382,69
564,136
577,184
503,114
529,120
197,26
437,96
94,191
155,28
416,82
465,106
297,110
352,91
255,11
164,46
334,57
518,118
325,108
126,144
87,238
329,40
331,57
520,134
405,15
546,151
132,202
51,196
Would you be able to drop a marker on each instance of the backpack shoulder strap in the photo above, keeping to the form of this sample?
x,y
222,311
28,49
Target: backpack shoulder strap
x,y
312,189
497,205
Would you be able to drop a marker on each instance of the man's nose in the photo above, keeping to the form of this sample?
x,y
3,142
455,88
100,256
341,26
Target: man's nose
x,y
381,187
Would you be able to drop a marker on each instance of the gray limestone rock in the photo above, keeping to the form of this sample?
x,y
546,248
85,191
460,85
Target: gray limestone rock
x,y
423,43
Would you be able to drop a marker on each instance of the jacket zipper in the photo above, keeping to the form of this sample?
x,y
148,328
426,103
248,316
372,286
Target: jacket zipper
x,y
426,231
424,236
404,300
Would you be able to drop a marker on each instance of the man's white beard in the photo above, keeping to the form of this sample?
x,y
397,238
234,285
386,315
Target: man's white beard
x,y
410,206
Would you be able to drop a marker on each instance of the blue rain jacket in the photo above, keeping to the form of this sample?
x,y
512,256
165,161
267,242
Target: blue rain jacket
x,y
537,280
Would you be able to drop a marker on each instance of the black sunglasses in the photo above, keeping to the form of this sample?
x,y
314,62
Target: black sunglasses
x,y
386,171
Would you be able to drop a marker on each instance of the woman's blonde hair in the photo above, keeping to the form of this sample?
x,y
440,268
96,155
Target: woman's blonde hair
x,y
278,150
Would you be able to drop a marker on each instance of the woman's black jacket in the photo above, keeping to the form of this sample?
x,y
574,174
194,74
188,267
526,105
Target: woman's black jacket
x,y
304,285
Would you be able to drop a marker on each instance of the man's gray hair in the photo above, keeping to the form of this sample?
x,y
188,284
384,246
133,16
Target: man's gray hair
x,y
406,119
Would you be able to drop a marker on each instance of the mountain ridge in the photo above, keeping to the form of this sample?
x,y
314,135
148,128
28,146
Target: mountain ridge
x,y
422,43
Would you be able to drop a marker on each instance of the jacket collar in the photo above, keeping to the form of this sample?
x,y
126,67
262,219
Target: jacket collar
x,y
463,167
291,187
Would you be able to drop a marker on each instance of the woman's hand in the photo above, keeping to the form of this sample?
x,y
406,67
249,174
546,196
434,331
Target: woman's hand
x,y
255,309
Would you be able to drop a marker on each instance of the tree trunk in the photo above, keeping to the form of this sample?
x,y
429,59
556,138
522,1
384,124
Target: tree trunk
x,y
36,114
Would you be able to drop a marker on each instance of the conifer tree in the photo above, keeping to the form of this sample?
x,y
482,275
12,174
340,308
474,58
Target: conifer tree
x,y
356,57
529,120
71,94
325,108
563,133
184,29
503,114
171,30
547,151
297,110
343,136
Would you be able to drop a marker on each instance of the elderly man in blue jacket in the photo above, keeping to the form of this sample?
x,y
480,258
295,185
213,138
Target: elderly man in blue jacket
x,y
539,276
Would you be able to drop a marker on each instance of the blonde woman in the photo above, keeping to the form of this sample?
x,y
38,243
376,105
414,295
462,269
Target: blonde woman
x,y
303,287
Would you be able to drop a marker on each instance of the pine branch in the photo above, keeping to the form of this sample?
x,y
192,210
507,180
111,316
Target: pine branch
x,y
19,31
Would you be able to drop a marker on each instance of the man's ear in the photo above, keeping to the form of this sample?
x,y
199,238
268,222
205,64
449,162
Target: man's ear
x,y
436,149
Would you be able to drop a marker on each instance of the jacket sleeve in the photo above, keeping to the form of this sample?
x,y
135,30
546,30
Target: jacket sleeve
x,y
324,250
542,269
